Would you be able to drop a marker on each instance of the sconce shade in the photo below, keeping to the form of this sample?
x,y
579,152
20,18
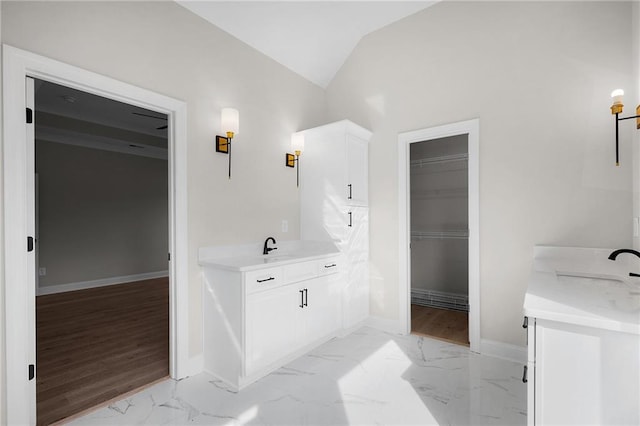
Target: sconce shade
x,y
297,142
230,121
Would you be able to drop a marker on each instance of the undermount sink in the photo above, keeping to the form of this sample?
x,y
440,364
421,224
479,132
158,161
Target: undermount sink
x,y
591,278
613,292
268,258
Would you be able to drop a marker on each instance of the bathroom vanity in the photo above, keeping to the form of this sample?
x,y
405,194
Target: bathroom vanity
x,y
583,326
262,311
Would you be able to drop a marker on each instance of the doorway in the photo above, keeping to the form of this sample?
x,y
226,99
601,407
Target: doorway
x,y
19,220
439,238
101,243
470,131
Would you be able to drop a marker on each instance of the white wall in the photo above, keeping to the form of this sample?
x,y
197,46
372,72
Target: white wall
x,y
102,214
538,76
163,47
3,415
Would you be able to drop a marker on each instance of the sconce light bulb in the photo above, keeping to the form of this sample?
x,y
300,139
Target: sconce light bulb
x,y
617,96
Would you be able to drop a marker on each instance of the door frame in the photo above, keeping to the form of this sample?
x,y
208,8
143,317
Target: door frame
x,y
472,129
16,67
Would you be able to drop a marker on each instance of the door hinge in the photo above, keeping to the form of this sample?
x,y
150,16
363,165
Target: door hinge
x,y
32,371
29,244
29,116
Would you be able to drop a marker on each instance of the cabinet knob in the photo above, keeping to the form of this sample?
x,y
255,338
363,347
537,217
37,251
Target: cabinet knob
x,y
524,375
525,324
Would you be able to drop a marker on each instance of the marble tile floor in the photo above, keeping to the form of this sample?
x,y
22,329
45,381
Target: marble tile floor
x,y
366,378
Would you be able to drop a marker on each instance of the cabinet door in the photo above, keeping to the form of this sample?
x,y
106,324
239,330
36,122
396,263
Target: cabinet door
x,y
357,171
322,310
356,287
270,326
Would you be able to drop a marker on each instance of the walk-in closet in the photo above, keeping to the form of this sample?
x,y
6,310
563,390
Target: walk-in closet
x,y
439,238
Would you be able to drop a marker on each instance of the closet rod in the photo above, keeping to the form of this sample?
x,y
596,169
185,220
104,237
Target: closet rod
x,y
438,160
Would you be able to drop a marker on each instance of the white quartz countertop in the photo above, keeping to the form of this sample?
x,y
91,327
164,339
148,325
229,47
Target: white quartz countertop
x,y
249,257
582,286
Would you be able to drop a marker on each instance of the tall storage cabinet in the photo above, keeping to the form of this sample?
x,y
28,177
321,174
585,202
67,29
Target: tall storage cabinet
x,y
334,200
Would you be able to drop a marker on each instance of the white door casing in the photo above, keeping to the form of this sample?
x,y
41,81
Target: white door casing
x,y
472,129
19,210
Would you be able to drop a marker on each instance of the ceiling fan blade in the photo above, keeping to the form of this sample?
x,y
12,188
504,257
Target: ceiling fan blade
x,y
148,115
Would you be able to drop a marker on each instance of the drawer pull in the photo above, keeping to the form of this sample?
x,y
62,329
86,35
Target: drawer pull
x,y
525,324
301,298
266,279
524,375
330,266
350,195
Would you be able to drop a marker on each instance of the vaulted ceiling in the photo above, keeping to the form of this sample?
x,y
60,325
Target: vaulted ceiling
x,y
312,38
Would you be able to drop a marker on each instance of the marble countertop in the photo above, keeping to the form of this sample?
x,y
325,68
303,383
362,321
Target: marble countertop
x,y
582,286
249,257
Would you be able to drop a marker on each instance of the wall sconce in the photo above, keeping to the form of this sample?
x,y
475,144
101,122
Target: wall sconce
x,y
230,121
297,145
616,109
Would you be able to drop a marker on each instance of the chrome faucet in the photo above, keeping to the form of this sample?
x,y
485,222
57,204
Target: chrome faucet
x,y
615,254
266,249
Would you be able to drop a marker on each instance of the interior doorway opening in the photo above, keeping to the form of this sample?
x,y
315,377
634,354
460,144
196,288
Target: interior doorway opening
x,y
19,220
439,238
470,130
102,285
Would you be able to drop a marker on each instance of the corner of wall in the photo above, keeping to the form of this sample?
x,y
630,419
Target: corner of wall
x,y
635,25
3,419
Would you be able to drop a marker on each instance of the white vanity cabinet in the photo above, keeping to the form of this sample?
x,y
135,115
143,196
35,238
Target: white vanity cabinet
x,y
334,205
582,375
258,320
583,335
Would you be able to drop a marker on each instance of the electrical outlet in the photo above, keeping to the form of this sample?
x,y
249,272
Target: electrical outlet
x,y
285,226
42,272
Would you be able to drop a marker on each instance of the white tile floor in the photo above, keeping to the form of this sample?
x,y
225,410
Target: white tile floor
x,y
367,378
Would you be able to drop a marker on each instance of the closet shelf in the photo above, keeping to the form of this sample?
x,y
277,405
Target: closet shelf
x,y
457,234
440,193
439,160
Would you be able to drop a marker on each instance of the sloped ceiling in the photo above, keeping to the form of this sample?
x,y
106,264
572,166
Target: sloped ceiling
x,y
311,38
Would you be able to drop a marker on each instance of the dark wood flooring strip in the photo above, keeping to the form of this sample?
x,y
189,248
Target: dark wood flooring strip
x,y
96,344
443,324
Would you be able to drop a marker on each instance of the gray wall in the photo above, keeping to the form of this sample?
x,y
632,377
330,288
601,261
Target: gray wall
x,y
101,214
538,75
439,202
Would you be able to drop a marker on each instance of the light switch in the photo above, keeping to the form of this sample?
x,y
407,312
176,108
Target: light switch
x,y
42,272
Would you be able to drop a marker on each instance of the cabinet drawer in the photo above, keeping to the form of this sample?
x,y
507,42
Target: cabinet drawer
x,y
263,279
300,271
328,266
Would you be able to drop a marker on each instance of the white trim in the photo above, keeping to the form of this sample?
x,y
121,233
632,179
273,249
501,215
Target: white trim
x,y
504,351
17,65
472,129
103,282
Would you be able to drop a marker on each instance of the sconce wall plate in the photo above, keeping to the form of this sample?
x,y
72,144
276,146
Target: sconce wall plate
x,y
290,160
222,144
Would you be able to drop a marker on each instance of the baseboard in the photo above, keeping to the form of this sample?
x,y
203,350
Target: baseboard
x,y
385,324
195,366
82,285
503,350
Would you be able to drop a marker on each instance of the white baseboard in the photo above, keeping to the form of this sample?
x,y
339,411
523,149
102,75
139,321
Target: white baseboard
x,y
61,288
385,324
196,366
503,350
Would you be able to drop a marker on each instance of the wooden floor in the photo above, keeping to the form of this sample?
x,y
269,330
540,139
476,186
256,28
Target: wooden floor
x,y
96,344
443,324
